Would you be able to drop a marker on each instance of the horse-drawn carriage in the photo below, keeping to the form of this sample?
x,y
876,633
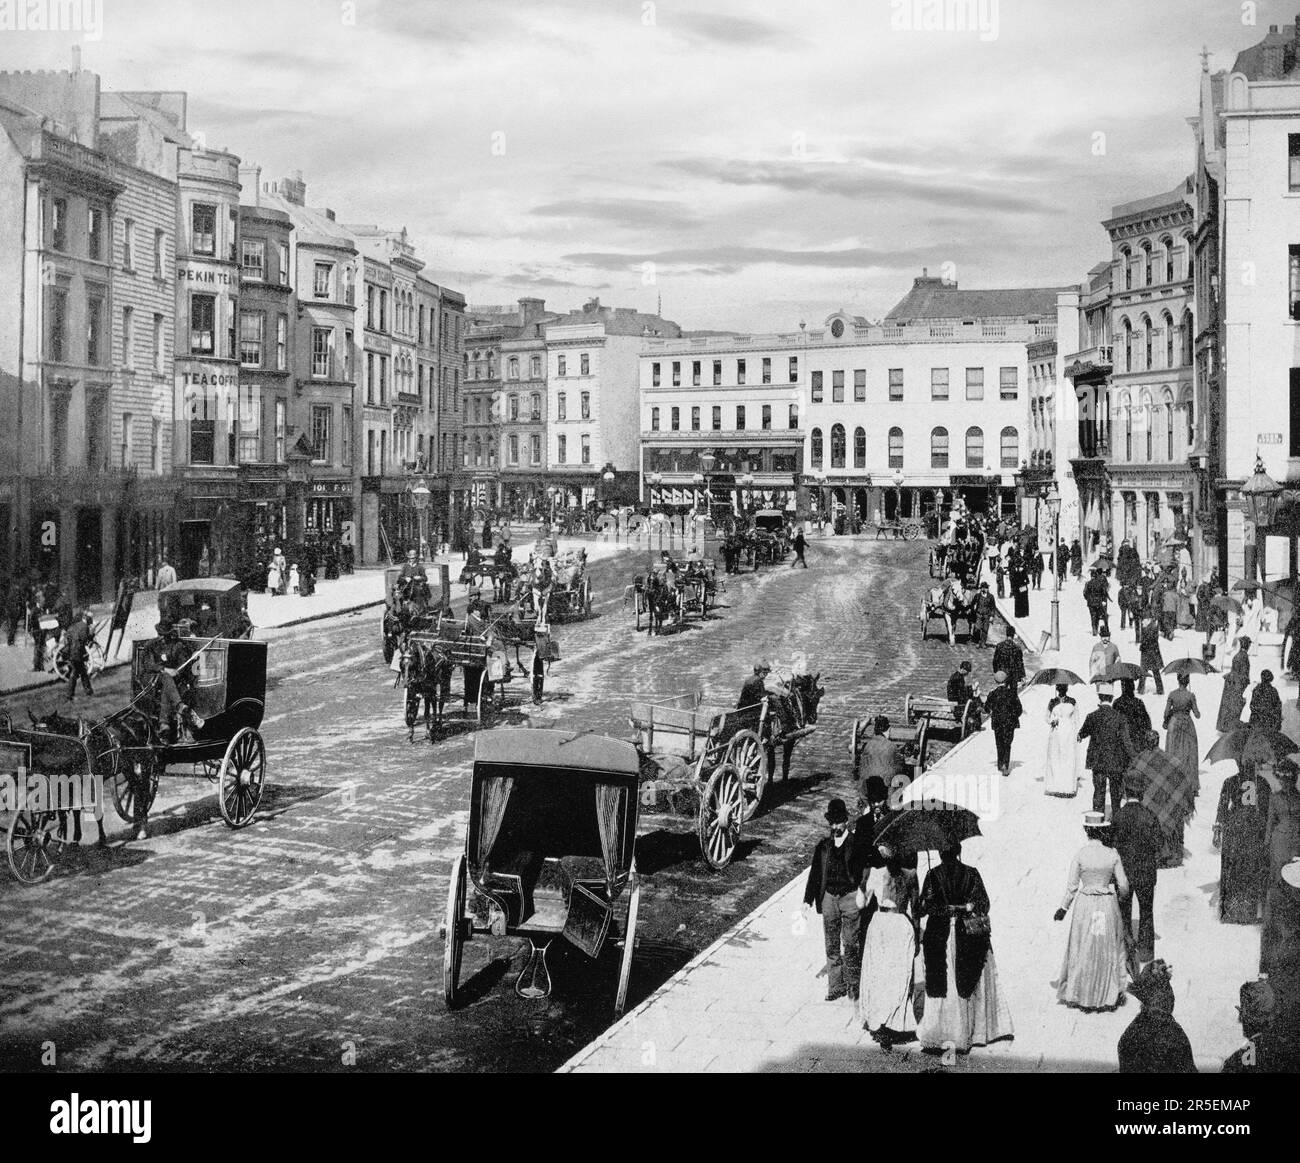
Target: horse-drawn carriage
x,y
562,584
216,607
949,603
670,592
715,764
769,543
550,852
408,607
927,718
64,767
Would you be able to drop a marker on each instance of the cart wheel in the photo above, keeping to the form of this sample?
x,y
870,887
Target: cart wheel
x,y
243,770
746,755
913,532
34,845
629,944
586,596
453,933
722,808
123,789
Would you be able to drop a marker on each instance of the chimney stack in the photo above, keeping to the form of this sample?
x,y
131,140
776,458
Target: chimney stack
x,y
76,58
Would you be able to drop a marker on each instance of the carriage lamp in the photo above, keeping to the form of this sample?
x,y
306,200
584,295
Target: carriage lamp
x,y
1052,499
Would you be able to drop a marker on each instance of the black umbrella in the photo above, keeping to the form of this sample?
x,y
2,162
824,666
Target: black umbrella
x,y
1236,742
929,825
1103,563
1242,584
1189,666
1056,676
1223,602
1119,672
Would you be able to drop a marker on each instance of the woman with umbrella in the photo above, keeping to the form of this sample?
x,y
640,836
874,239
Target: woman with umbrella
x,y
890,952
963,1007
1093,972
1062,771
1233,700
1239,834
1180,732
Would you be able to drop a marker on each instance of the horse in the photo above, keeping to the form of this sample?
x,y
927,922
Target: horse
x,y
102,747
426,675
538,585
805,694
949,602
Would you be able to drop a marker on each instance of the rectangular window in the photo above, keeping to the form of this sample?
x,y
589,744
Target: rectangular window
x,y
282,343
794,369
767,417
128,337
1294,282
767,369
860,386
95,329
717,417
250,338
561,366
158,354
345,437
203,324
1293,160
740,371
203,441
535,367
59,224
159,249
322,286
59,324
895,383
939,448
740,417
586,448
974,383
677,374
370,379
535,448
252,259
837,387
203,229
584,364
281,426
514,409
383,380
717,372
695,418
654,375
676,419
155,446
561,449
322,352
95,233
695,373
284,264
895,448
817,396
1008,383
586,405
128,244
939,383
250,425
125,455
514,449
793,422
562,407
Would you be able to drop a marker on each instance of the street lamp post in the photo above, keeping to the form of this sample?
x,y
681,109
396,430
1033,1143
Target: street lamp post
x,y
1053,501
747,491
420,498
1261,493
898,489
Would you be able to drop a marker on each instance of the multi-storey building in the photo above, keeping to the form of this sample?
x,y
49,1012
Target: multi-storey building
x,y
450,486
593,387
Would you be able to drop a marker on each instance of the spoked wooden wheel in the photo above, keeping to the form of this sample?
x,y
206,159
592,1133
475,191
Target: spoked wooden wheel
x,y
239,783
134,773
453,932
722,809
629,943
586,597
746,755
34,845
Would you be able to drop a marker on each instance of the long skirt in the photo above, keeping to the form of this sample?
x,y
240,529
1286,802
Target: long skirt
x,y
961,1023
1062,778
1181,745
1093,971
887,966
1244,867
1231,705
1022,604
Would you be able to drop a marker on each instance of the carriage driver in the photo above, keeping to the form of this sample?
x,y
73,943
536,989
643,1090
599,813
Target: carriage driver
x,y
778,692
175,684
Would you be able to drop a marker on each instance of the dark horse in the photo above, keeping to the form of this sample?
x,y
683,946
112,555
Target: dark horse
x,y
426,675
805,694
99,744
661,601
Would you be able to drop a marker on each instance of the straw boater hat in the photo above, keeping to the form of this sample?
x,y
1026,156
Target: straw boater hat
x,y
1095,820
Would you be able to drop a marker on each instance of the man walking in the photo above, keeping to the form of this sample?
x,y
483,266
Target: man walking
x,y
985,607
1008,657
1110,750
833,883
78,638
878,758
1138,840
166,575
800,543
1103,657
1004,713
1096,594
1149,657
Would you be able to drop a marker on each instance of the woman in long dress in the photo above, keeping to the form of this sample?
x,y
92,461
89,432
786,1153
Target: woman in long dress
x,y
889,955
1019,585
1233,701
1062,777
963,1006
1252,612
1239,832
1093,972
1180,740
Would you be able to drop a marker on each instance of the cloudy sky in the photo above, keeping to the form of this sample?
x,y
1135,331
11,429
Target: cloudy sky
x,y
755,164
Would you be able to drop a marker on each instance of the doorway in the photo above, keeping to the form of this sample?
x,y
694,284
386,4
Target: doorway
x,y
194,556
90,556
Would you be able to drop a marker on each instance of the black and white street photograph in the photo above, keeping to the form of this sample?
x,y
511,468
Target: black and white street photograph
x,y
650,537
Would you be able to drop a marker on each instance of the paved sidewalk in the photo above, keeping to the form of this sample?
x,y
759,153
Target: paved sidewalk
x,y
362,590
754,1001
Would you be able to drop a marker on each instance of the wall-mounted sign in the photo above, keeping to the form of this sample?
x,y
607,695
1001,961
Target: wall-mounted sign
x,y
1269,438
207,276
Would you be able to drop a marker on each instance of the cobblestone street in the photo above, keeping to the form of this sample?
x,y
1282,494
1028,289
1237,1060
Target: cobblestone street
x,y
310,939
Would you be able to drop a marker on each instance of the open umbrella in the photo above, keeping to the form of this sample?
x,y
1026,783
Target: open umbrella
x,y
1121,671
1189,666
1056,676
1271,744
1103,562
1223,602
927,826
1243,584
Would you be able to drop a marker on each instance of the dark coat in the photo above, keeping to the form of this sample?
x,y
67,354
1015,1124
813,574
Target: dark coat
x,y
1136,714
1149,649
1155,1044
751,694
1096,592
1266,708
857,846
958,884
1009,657
1110,746
1138,840
1004,708
78,640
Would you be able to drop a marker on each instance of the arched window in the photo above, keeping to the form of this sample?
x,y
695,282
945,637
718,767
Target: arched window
x,y
816,448
478,451
1128,346
1126,414
895,448
974,448
1169,427
939,448
1148,338
1149,263
1149,415
837,446
1169,260
512,368
1188,338
1010,448
1168,321
859,448
1126,257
